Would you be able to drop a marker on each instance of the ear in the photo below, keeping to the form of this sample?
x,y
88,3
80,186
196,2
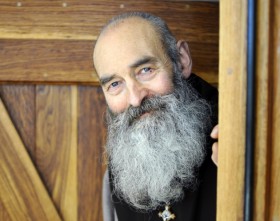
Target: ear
x,y
185,58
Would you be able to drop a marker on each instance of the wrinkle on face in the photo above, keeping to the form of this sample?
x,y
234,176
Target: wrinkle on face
x,y
122,45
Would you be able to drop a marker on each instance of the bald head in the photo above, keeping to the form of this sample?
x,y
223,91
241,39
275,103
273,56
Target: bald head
x,y
122,43
160,28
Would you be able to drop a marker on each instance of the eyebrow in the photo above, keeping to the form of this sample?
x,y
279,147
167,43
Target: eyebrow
x,y
144,60
104,80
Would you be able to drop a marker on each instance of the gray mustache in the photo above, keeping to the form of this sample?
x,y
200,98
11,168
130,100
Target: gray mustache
x,y
152,104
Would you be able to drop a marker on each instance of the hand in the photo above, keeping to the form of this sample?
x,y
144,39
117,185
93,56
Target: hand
x,y
215,134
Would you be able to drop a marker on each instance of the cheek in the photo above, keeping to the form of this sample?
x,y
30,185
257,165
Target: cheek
x,y
116,105
163,85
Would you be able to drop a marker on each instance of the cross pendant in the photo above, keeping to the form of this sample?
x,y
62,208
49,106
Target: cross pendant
x,y
166,215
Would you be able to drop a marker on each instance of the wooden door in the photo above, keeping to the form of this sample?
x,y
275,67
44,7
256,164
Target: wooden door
x,y
233,69
52,128
51,153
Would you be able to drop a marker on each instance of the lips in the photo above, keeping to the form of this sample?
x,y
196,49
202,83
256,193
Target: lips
x,y
148,106
144,115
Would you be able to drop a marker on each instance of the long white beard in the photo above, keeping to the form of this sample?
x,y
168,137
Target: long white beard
x,y
154,157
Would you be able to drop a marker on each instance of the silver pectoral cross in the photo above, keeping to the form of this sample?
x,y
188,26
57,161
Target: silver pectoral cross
x,y
166,215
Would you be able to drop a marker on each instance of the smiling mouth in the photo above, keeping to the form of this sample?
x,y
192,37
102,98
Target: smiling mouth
x,y
145,115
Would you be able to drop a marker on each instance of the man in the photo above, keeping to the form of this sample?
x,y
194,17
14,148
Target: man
x,y
159,117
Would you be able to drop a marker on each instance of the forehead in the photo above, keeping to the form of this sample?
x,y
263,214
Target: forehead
x,y
125,42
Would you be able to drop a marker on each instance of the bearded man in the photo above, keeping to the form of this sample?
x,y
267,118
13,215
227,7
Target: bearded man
x,y
159,119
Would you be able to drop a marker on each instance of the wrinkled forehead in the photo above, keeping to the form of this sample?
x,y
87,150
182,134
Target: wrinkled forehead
x,y
129,37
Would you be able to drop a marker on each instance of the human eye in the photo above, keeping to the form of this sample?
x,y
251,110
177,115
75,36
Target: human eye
x,y
146,70
114,86
146,73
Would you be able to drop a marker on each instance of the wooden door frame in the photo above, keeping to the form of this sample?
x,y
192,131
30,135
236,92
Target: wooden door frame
x,y
263,200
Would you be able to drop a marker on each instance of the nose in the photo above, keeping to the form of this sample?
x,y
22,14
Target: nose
x,y
136,94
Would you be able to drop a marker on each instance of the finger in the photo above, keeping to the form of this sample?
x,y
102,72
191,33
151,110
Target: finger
x,y
214,156
215,132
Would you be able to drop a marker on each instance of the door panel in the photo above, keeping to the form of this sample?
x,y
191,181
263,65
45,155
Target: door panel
x,y
23,96
56,145
23,194
69,138
91,163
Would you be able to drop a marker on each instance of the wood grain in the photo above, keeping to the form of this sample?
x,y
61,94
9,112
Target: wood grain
x,y
91,164
35,19
23,196
56,140
52,41
263,117
275,162
19,101
39,61
4,215
267,154
232,102
46,61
